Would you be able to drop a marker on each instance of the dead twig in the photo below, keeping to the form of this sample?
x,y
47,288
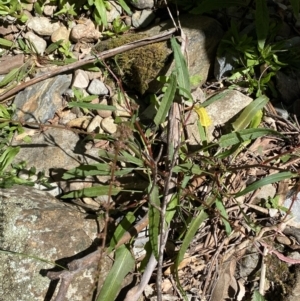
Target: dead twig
x,y
103,55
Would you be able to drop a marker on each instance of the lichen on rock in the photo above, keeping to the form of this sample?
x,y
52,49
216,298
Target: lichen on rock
x,y
138,67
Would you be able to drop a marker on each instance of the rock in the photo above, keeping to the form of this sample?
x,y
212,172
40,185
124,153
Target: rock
x,y
39,102
142,19
114,11
42,26
233,101
61,33
10,62
104,113
38,225
49,10
85,32
108,125
6,29
121,110
97,87
142,4
39,43
203,35
81,79
95,125
54,149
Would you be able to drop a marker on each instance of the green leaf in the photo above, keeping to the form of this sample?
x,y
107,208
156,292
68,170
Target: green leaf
x,y
101,10
91,106
257,297
7,157
208,5
123,226
182,71
125,7
154,218
267,180
188,167
166,101
244,135
224,216
11,76
6,43
93,192
261,22
124,263
249,113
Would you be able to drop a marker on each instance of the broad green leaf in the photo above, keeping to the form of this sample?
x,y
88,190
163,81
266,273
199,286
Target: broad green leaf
x,y
93,192
244,135
154,218
125,7
53,46
91,106
123,226
181,69
192,229
249,113
101,10
166,101
171,209
11,76
208,5
255,122
261,22
257,297
7,157
6,43
188,167
224,216
123,264
267,180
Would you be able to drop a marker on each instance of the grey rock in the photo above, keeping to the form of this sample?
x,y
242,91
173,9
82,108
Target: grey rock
x,y
39,102
55,149
142,19
38,225
97,87
203,35
39,43
233,101
81,79
104,113
49,10
142,4
114,12
42,26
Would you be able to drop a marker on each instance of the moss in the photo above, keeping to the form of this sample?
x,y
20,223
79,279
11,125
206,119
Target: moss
x,y
138,67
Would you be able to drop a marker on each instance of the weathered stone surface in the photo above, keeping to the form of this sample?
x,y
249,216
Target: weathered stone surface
x,y
108,125
42,26
142,4
10,62
85,32
62,33
81,79
203,35
97,87
229,104
53,149
142,18
38,225
39,43
39,102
